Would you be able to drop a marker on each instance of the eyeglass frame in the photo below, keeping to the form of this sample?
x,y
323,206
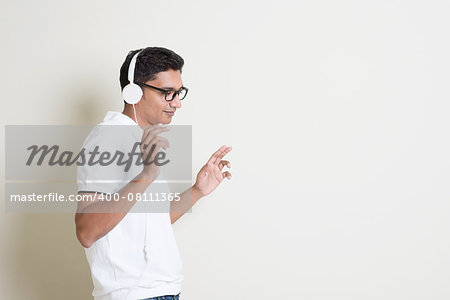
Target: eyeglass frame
x,y
166,92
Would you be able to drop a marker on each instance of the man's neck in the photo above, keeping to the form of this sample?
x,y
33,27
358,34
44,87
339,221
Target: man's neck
x,y
129,112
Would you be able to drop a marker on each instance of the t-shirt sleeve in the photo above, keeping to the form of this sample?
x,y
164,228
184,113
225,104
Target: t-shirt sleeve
x,y
108,176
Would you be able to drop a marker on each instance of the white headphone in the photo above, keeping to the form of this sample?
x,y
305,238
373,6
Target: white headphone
x,y
132,93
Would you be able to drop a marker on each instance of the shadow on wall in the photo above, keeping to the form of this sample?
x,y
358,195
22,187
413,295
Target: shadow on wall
x,y
48,261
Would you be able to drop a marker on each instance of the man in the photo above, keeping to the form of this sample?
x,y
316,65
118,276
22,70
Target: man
x,y
134,255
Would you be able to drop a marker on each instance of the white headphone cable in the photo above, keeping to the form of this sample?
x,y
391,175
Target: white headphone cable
x,y
135,117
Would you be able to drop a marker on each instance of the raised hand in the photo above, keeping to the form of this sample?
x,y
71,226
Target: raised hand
x,y
210,175
151,143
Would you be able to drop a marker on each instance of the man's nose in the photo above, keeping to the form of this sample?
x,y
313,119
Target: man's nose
x,y
176,102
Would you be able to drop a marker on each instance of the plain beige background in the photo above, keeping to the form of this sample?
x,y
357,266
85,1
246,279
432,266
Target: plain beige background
x,y
338,115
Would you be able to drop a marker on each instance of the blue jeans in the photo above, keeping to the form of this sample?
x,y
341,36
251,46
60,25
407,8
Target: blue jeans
x,y
167,297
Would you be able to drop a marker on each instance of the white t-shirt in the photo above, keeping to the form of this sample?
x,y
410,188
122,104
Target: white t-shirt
x,y
138,258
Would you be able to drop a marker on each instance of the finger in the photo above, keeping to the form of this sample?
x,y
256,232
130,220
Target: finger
x,y
216,154
150,155
159,139
151,138
148,129
152,128
164,144
224,163
153,131
152,148
222,154
159,142
156,140
227,175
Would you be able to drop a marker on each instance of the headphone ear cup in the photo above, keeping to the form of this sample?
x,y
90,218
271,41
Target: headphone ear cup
x,y
132,93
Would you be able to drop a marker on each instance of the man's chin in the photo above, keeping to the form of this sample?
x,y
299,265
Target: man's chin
x,y
167,119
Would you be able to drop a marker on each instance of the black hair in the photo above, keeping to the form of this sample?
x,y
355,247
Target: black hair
x,y
150,62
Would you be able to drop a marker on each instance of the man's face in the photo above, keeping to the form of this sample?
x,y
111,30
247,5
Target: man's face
x,y
153,108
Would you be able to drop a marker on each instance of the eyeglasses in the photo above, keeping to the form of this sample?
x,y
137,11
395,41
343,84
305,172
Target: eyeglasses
x,y
169,95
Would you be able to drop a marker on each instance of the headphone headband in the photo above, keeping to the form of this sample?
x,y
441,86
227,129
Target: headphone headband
x,y
132,67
